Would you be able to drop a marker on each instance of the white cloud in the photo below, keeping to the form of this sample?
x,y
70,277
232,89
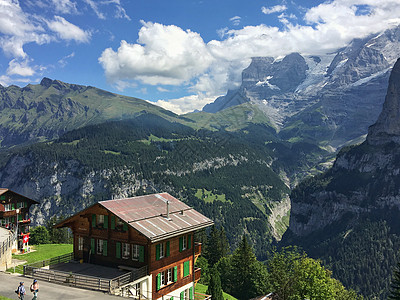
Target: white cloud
x,y
65,6
20,68
68,31
163,55
161,89
169,55
185,104
64,61
235,20
119,11
273,9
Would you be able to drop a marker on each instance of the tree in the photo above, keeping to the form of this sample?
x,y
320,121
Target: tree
x,y
214,288
217,245
39,235
205,274
58,235
293,275
395,286
249,276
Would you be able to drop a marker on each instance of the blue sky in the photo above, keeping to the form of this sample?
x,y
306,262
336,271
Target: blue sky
x,y
180,54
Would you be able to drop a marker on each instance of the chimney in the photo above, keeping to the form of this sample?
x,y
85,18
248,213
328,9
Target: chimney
x,y
168,210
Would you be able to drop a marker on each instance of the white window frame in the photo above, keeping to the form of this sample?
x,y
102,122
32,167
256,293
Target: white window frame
x,y
100,246
162,279
100,219
162,252
80,243
126,250
184,242
8,207
186,294
170,275
135,252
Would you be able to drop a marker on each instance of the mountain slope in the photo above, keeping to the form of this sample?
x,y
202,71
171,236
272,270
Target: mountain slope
x,y
47,110
219,173
350,215
326,99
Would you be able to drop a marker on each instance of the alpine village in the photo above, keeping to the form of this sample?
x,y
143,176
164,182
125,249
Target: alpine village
x,y
286,187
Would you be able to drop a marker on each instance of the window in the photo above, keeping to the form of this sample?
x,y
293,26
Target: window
x,y
184,242
21,204
170,275
135,252
8,207
80,243
162,278
161,250
100,220
126,250
100,244
187,294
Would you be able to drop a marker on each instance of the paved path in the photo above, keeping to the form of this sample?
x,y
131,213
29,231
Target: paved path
x,y
9,283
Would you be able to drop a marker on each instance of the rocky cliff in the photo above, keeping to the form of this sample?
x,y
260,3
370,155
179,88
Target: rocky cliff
x,y
355,206
329,99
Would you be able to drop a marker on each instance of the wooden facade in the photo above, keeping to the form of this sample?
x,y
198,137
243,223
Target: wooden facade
x,y
14,214
102,237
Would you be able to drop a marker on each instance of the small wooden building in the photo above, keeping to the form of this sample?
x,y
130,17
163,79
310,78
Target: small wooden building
x,y
153,231
14,214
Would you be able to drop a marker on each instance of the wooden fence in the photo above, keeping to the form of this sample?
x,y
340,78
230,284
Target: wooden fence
x,y
38,271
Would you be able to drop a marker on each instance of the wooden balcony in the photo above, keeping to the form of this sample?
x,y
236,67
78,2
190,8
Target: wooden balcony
x,y
197,251
197,274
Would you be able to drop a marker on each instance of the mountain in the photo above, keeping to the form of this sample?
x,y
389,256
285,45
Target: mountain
x,y
350,215
326,99
51,108
223,175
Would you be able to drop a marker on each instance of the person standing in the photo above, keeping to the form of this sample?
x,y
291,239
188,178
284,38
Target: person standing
x,y
21,290
35,289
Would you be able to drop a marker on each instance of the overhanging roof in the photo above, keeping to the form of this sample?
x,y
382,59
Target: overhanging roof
x,y
148,215
4,190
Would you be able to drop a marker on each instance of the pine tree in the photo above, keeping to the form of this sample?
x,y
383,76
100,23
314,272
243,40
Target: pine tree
x,y
249,276
395,286
217,245
214,288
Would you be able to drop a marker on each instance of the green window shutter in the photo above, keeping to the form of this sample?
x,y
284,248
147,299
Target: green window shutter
x,y
167,249
93,220
20,217
125,227
141,253
112,222
191,292
158,252
175,273
172,298
26,204
180,244
105,222
12,206
189,241
182,295
186,268
158,281
118,250
3,198
92,246
105,248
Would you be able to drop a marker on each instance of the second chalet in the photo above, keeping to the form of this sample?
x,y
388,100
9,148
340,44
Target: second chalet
x,y
154,233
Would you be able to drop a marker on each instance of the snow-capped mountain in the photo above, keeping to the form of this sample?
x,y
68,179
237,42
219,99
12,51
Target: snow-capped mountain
x,y
331,98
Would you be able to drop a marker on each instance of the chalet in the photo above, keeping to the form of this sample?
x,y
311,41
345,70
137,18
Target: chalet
x,y
154,233
14,214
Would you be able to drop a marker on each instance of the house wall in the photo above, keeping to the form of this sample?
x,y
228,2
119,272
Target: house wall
x,y
81,225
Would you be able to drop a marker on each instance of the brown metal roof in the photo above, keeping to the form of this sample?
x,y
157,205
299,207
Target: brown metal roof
x,y
148,215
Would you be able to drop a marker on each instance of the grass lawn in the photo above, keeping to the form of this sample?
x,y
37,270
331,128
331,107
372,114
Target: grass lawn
x,y
42,252
201,288
4,298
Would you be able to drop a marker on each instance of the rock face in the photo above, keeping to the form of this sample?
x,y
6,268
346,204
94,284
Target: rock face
x,y
387,128
355,206
332,98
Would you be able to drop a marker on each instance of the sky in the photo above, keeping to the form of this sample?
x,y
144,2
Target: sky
x,y
178,54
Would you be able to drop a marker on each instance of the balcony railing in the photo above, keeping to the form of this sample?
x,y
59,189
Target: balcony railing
x,y
197,248
197,274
